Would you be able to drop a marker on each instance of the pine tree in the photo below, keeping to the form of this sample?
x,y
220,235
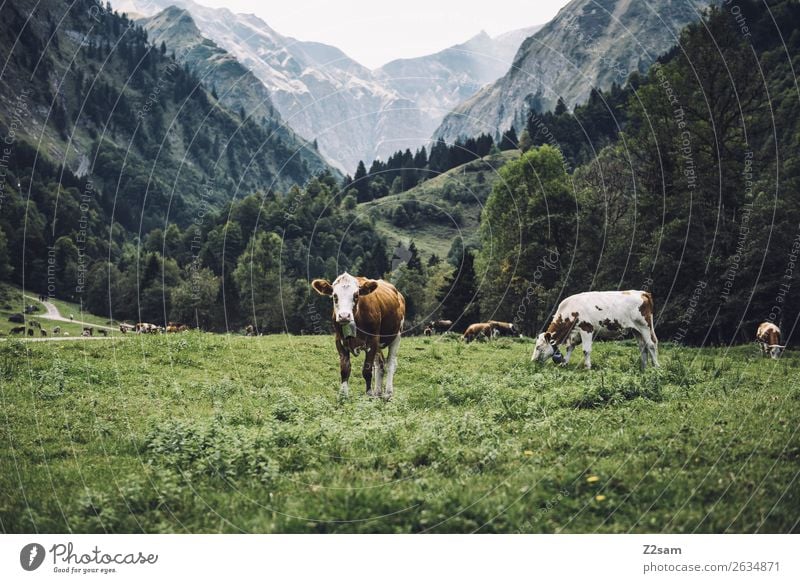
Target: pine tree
x,y
414,260
458,297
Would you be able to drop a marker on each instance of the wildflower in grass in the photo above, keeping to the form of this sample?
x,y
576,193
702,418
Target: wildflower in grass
x,y
592,479
528,452
600,497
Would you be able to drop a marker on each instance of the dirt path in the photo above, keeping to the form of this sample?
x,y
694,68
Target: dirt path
x,y
54,314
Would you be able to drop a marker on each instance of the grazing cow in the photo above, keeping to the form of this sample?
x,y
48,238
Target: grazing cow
x,y
171,329
17,330
88,331
441,325
30,331
504,328
369,314
427,331
249,330
484,329
581,316
43,331
57,330
146,328
16,318
769,337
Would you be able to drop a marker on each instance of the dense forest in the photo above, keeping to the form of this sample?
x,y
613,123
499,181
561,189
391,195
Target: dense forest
x,y
681,181
684,184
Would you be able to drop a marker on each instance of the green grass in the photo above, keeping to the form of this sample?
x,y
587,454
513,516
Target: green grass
x,y
205,433
468,195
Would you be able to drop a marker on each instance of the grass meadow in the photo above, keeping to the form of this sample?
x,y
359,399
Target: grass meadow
x,y
196,432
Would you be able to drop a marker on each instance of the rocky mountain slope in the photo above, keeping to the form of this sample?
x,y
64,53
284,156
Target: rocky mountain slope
x,y
354,113
148,137
235,86
590,43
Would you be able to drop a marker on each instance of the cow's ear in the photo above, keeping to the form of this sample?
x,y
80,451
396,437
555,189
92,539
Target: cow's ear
x,y
367,287
322,286
548,337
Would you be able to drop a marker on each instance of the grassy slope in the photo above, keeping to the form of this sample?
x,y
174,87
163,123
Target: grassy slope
x,y
11,303
436,237
206,433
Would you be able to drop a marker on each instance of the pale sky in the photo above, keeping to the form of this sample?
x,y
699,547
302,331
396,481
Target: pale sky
x,y
374,32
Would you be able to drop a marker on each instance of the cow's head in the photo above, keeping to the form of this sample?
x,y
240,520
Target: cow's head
x,y
345,291
546,348
543,349
775,351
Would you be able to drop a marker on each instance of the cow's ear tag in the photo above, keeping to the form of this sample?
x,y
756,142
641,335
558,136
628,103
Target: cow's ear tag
x,y
349,330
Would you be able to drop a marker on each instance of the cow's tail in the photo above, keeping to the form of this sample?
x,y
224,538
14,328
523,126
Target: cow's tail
x,y
650,310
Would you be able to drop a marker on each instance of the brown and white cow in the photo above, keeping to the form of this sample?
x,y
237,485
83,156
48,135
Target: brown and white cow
x,y
504,328
768,336
475,331
367,314
582,316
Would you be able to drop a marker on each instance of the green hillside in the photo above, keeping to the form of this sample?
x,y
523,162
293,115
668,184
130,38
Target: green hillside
x,y
441,209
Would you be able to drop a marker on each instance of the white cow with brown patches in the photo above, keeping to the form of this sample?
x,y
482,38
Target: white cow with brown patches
x,y
768,336
582,316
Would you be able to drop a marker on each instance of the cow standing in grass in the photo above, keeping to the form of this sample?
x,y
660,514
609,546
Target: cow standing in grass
x,y
368,314
582,316
768,336
479,330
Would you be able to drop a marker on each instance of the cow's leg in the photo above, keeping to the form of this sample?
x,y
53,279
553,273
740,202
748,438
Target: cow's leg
x,y
369,365
379,366
586,340
651,342
392,367
344,369
572,341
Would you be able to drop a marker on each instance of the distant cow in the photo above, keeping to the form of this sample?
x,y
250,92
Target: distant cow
x,y
474,331
56,329
17,330
43,331
504,328
440,325
249,330
368,314
428,331
768,336
87,331
146,328
16,318
30,331
580,317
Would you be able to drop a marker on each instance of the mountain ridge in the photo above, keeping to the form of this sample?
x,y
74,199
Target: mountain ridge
x,y
353,112
589,43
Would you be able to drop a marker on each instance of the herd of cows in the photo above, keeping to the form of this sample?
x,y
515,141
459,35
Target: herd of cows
x,y
368,315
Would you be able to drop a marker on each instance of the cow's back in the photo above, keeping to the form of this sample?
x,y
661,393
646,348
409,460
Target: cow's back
x,y
769,333
381,312
609,310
